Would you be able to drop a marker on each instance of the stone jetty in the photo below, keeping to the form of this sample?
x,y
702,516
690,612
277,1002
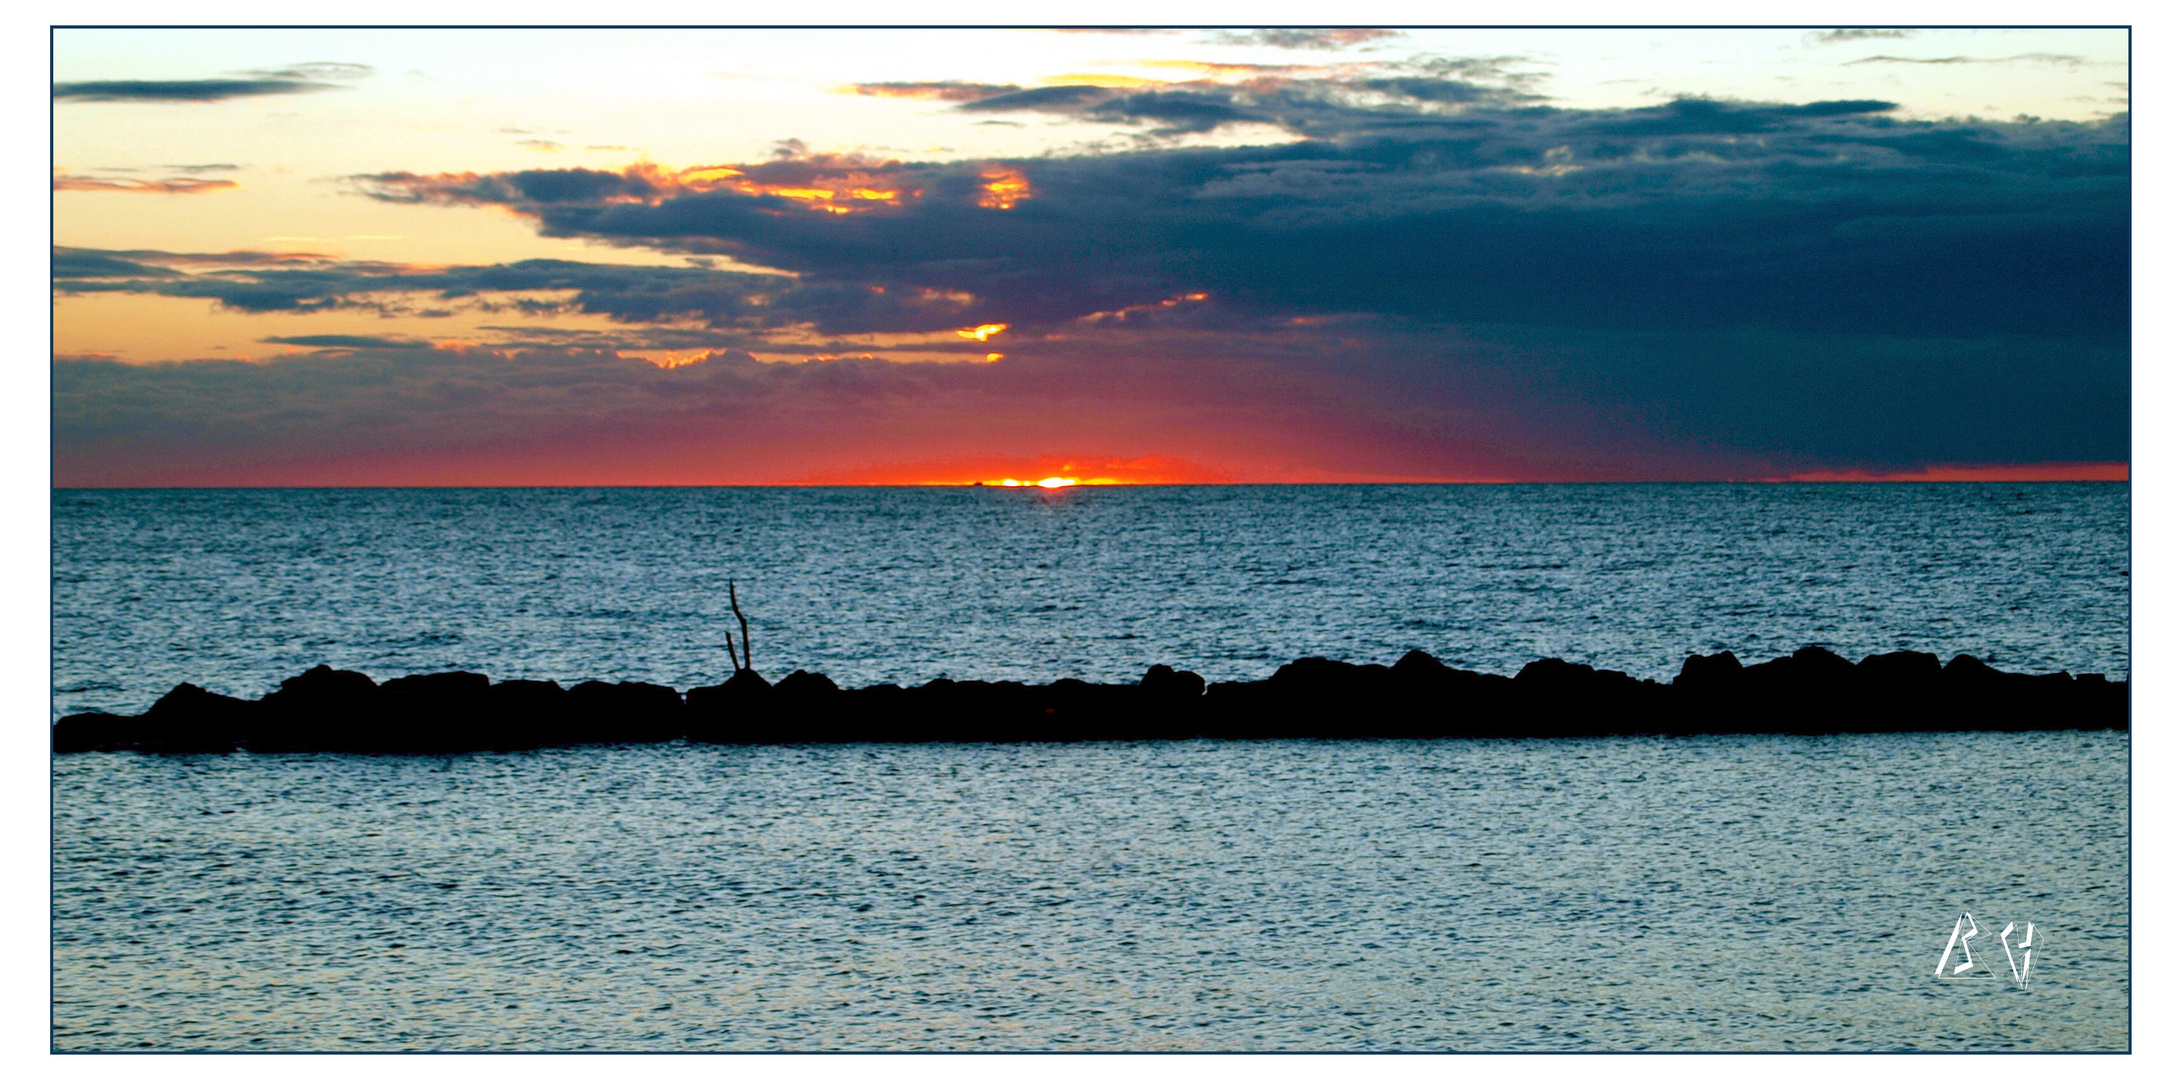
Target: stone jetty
x,y
1812,692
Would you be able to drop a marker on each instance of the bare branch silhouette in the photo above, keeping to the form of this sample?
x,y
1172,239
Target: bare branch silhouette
x,y
738,609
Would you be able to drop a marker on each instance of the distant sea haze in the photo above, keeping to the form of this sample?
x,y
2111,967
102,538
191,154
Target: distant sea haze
x,y
237,589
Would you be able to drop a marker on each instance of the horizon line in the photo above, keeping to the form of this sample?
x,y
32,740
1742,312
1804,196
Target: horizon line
x,y
1033,488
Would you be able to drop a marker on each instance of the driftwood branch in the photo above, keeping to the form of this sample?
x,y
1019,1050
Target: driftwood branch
x,y
738,609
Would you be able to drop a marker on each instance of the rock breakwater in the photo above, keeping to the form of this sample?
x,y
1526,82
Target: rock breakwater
x,y
1814,691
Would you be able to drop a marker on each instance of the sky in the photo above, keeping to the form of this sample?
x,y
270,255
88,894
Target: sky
x,y
334,257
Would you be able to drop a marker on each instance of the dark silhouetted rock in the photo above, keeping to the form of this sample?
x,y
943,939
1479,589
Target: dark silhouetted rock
x,y
443,713
1808,692
1556,698
193,720
1900,691
800,686
1430,700
526,714
738,710
1811,691
91,731
1165,684
626,712
1719,671
1309,698
321,709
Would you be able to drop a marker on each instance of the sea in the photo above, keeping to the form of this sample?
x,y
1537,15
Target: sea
x,y
1721,893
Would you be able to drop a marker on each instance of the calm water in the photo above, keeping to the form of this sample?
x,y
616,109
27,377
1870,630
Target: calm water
x,y
236,590
1719,893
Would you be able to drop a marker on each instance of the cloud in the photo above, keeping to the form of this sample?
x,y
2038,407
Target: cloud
x,y
1424,281
1833,37
659,307
2034,58
1281,96
1827,217
181,185
316,70
950,90
259,281
1303,38
347,341
1063,99
199,90
77,263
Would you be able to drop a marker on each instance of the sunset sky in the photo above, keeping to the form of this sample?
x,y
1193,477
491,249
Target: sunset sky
x,y
940,256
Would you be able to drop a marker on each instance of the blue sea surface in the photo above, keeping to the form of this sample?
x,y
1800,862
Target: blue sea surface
x,y
1714,893
1711,893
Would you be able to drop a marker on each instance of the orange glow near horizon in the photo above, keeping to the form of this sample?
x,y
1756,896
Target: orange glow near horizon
x,y
669,358
1049,483
983,331
1005,186
1045,472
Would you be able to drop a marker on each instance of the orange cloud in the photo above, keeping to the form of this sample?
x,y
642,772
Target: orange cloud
x,y
1123,314
1974,474
671,358
1106,82
832,183
829,182
1004,187
932,91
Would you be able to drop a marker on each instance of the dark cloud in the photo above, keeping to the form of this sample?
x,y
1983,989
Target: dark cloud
x,y
665,307
74,263
251,281
1825,217
1317,107
347,341
151,262
1178,111
183,89
1438,90
1704,116
1062,99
